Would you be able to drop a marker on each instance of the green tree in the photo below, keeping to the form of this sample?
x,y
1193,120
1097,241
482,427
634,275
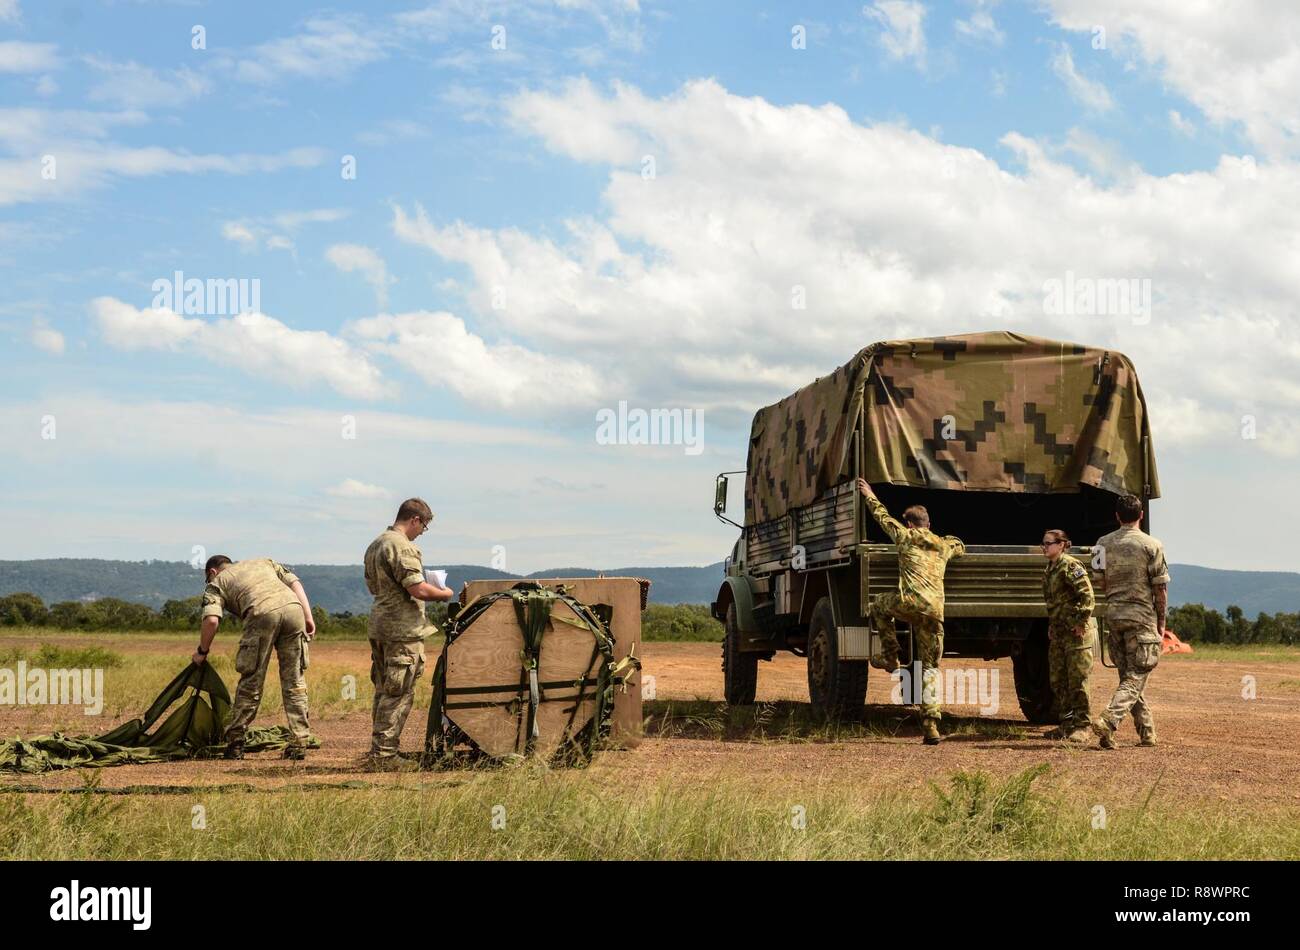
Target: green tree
x,y
23,610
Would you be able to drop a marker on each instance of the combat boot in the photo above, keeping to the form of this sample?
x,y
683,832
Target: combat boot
x,y
1105,732
930,732
234,750
1058,732
1148,739
1079,736
295,752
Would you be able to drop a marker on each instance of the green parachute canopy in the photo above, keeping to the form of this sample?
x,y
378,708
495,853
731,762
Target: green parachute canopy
x,y
195,727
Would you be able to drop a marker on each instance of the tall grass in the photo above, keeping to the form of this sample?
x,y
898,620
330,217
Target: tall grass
x,y
529,812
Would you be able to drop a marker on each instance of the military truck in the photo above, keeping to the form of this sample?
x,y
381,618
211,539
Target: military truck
x,y
1001,436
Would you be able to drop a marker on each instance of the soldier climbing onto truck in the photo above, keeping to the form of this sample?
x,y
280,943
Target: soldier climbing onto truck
x,y
922,559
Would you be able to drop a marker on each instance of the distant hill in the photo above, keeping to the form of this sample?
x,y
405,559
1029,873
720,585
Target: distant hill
x,y
337,588
340,588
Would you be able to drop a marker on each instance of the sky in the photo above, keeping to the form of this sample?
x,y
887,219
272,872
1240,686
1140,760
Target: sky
x,y
466,233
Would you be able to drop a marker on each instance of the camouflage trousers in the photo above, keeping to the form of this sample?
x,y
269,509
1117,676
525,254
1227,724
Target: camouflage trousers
x,y
1069,667
927,644
285,630
394,668
1135,648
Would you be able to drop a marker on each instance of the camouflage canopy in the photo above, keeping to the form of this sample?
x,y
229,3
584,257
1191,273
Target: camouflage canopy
x,y
981,412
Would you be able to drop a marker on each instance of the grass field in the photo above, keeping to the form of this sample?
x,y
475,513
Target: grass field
x,y
529,812
774,780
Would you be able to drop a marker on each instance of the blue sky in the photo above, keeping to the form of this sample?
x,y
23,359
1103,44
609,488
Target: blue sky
x,y
501,267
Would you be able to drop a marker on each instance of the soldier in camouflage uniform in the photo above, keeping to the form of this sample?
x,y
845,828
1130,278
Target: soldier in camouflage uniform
x,y
1071,633
1135,577
922,559
395,576
273,605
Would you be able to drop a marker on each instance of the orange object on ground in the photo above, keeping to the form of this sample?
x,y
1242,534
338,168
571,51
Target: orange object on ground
x,y
1172,644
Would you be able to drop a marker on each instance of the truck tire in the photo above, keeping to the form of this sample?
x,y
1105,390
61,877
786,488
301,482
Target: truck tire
x,y
837,687
1033,681
739,670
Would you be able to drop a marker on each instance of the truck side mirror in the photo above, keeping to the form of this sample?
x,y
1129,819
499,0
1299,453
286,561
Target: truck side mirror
x,y
720,496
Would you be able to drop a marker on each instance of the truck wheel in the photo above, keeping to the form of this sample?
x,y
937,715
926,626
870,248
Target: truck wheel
x,y
1033,682
739,670
837,687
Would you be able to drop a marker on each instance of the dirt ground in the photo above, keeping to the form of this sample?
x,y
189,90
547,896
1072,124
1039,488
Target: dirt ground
x,y
1214,745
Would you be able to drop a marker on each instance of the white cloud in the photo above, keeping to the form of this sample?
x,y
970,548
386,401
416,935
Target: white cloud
x,y
390,131
329,47
441,350
1238,62
253,342
356,257
17,56
47,339
902,31
83,156
273,232
10,12
687,280
1091,93
351,488
980,26
133,86
1181,124
46,86
239,233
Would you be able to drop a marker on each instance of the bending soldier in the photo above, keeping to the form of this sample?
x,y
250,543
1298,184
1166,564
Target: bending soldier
x,y
270,600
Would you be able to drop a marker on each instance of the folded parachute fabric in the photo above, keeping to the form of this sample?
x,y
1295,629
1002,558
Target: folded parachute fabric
x,y
193,729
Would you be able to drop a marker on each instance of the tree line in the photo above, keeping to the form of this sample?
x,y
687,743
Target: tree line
x,y
1194,623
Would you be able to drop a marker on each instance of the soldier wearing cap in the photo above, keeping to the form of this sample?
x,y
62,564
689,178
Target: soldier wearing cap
x,y
273,605
395,577
1135,577
1071,632
922,559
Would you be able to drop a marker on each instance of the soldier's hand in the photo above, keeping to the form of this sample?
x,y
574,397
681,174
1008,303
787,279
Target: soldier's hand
x,y
311,626
198,658
865,488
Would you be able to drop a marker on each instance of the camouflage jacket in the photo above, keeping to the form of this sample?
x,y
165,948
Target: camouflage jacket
x,y
1134,565
922,558
1067,592
393,564
254,587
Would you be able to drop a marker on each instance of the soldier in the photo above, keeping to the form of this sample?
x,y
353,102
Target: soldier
x,y
922,558
1135,577
395,576
1071,632
271,601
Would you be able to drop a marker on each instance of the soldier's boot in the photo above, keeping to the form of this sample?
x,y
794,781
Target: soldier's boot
x,y
1059,732
234,750
295,752
381,763
1105,732
1148,738
930,732
1079,736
